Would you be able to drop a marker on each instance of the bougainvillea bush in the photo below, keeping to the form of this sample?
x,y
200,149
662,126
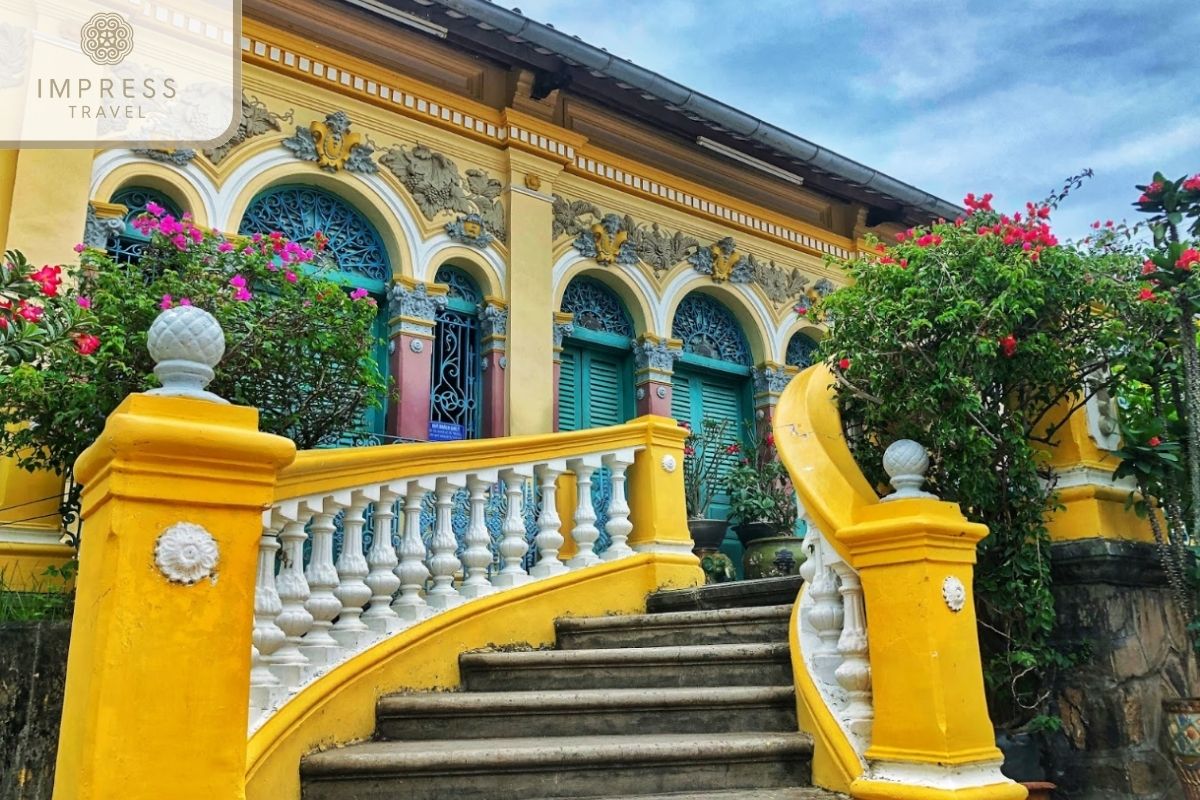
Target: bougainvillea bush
x,y
40,319
974,337
298,345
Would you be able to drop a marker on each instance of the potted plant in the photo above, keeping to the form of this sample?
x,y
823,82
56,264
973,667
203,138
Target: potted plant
x,y
707,454
763,501
1160,423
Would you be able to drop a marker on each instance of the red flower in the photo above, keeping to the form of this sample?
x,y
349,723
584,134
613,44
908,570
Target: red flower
x,y
879,248
904,263
86,343
1009,345
733,449
844,364
1146,294
1149,267
769,439
688,450
801,310
929,240
1192,184
1154,441
978,204
1187,258
29,312
48,278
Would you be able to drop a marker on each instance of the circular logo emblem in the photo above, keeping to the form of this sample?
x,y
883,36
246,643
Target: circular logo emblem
x,y
106,39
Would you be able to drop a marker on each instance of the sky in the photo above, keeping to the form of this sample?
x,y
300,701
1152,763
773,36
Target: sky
x,y
1009,98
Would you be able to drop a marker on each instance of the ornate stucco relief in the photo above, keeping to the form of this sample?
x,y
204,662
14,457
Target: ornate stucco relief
x,y
256,120
436,186
332,145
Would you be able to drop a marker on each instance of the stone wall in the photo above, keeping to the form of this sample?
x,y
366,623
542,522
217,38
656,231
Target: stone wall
x,y
33,671
1112,595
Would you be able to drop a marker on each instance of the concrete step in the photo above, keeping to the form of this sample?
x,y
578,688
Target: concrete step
x,y
629,667
720,626
567,767
737,594
589,712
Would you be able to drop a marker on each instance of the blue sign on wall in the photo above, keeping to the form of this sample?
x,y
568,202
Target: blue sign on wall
x,y
446,431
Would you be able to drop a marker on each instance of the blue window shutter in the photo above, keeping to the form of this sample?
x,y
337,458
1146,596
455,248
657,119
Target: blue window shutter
x,y
681,398
568,391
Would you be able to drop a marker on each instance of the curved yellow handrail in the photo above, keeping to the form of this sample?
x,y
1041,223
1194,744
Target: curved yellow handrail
x,y
809,439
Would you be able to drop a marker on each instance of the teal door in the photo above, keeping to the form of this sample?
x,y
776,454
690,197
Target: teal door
x,y
722,394
595,385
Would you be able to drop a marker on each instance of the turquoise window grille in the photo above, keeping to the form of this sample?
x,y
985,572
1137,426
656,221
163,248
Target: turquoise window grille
x,y
127,248
801,350
709,330
300,211
596,307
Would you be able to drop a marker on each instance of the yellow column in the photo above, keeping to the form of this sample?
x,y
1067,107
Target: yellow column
x,y
43,208
932,737
530,372
158,671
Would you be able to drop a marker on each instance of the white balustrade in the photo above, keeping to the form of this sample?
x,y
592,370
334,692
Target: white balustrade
x,y
321,608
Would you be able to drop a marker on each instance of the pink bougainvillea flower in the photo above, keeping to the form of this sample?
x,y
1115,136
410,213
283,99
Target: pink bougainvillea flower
x,y
243,294
358,294
237,282
155,209
844,364
290,276
166,302
1008,345
83,302
79,248
86,343
185,301
225,247
180,241
196,234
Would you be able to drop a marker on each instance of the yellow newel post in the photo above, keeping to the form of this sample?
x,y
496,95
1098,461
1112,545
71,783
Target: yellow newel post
x,y
656,503
158,683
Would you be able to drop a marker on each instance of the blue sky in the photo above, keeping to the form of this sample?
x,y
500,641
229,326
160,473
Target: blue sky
x,y
1009,98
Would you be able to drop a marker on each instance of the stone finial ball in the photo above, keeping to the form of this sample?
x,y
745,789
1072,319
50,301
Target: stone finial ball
x,y
186,333
905,457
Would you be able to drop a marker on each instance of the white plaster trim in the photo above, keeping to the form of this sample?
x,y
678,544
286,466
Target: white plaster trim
x,y
427,261
111,160
676,288
527,191
937,776
15,534
663,547
567,261
1090,476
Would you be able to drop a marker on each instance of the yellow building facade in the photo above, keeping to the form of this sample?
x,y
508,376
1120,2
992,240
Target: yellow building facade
x,y
539,227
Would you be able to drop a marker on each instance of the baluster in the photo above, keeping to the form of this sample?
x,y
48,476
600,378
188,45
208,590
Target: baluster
x,y
619,527
268,637
352,591
410,605
381,560
513,545
549,541
585,533
289,662
478,555
854,673
320,647
826,614
444,563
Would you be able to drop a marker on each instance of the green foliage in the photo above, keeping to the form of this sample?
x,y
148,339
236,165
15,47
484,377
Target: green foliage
x,y
38,318
1160,389
707,454
760,489
51,598
298,347
974,339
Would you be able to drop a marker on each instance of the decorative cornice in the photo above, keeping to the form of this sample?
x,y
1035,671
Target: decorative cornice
x,y
517,130
415,303
655,355
564,326
770,379
493,321
99,229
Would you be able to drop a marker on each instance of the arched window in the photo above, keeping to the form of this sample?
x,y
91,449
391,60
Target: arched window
x,y
300,211
595,377
712,379
801,350
455,399
354,249
128,246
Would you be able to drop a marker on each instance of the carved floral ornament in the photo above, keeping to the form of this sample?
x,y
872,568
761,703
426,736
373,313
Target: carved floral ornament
x,y
332,145
614,239
256,119
436,186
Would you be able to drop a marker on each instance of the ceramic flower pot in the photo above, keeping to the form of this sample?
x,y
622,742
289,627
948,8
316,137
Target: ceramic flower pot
x,y
773,557
1182,718
748,532
707,534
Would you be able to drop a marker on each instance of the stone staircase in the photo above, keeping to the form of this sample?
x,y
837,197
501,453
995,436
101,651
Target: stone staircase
x,y
694,699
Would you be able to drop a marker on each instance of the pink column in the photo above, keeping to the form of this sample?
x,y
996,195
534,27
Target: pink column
x,y
413,309
494,337
655,362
